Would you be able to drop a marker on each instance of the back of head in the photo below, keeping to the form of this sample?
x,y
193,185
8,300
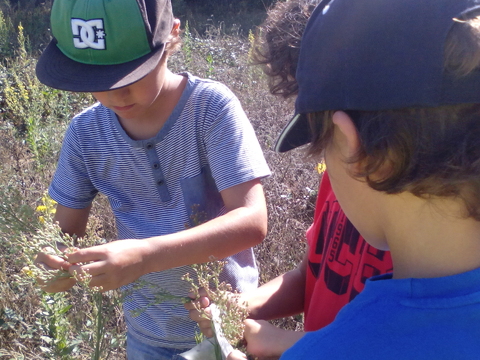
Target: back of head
x,y
277,44
407,72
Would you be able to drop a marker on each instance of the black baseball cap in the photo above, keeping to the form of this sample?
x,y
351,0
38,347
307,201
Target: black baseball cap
x,y
101,45
377,55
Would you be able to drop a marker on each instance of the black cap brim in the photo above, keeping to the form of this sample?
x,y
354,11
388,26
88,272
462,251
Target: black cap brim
x,y
56,70
295,134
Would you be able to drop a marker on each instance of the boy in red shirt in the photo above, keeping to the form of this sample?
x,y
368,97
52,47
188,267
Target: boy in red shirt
x,y
338,261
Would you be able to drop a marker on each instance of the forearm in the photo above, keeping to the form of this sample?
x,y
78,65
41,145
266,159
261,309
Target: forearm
x,y
266,341
285,340
237,230
280,297
72,221
121,262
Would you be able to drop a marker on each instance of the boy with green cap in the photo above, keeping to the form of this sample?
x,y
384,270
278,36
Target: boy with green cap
x,y
166,149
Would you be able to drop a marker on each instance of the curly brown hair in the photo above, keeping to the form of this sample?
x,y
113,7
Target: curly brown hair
x,y
428,151
277,43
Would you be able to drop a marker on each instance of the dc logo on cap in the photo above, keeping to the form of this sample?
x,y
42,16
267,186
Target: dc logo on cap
x,y
88,34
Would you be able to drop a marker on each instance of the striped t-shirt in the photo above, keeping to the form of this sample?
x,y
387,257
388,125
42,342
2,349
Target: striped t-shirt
x,y
158,186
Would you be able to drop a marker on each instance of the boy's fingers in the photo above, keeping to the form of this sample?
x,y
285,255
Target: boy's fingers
x,y
236,355
189,305
50,262
201,292
193,307
85,255
92,269
192,295
203,302
101,282
57,286
202,318
62,247
207,332
65,265
94,273
77,272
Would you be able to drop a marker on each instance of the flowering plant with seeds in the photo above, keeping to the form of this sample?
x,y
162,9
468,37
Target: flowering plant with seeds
x,y
228,325
232,312
46,236
49,238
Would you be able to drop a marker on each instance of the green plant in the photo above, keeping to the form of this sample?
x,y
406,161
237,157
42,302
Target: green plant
x,y
45,236
210,68
187,45
35,17
206,275
95,331
35,112
5,34
57,343
232,312
26,230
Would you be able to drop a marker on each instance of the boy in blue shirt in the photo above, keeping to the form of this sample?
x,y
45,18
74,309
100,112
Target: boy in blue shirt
x,y
389,94
169,151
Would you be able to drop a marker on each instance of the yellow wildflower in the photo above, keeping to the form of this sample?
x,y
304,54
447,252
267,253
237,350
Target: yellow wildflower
x,y
41,208
321,167
27,271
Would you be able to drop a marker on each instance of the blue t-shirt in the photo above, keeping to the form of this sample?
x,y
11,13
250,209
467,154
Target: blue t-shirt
x,y
164,185
402,319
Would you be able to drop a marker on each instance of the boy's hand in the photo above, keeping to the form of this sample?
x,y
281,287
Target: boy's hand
x,y
202,302
52,262
203,317
111,265
267,341
236,355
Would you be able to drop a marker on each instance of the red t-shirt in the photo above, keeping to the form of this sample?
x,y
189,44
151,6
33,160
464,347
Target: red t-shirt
x,y
339,261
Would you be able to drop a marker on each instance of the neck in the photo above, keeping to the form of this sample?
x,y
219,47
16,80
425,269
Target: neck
x,y
153,120
168,97
427,241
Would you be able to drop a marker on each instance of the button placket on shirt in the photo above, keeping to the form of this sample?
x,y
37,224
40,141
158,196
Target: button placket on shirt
x,y
157,172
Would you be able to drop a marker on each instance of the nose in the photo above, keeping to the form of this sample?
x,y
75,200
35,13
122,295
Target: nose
x,y
119,95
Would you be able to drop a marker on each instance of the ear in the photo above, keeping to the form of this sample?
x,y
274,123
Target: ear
x,y
345,134
175,28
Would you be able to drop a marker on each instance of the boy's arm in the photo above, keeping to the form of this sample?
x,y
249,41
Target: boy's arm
x,y
280,297
121,262
73,222
267,341
236,355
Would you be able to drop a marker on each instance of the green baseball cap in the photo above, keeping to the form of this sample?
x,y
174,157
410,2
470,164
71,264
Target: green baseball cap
x,y
101,45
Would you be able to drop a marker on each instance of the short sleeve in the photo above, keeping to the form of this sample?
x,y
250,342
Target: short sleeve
x,y
71,185
233,150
